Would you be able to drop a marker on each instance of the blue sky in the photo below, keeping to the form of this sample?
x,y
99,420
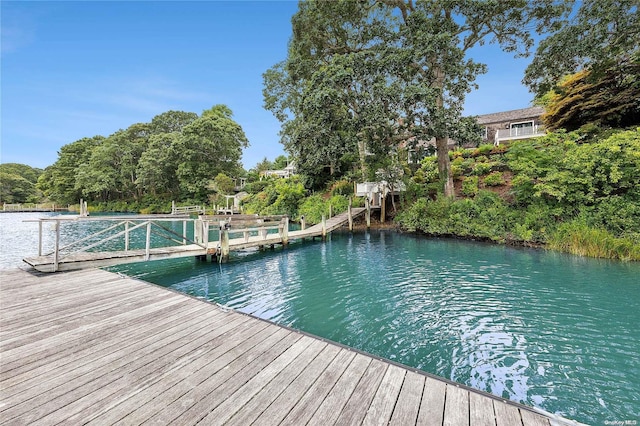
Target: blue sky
x,y
83,68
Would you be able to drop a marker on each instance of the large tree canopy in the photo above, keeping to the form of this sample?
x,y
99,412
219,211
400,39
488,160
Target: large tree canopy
x,y
172,157
18,183
599,35
363,76
611,97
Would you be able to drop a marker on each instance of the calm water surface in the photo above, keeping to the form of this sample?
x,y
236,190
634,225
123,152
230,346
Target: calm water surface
x,y
550,330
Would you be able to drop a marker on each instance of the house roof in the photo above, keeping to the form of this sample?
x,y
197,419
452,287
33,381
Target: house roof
x,y
513,115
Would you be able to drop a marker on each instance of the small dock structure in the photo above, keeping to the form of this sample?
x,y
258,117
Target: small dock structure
x,y
93,347
28,208
232,233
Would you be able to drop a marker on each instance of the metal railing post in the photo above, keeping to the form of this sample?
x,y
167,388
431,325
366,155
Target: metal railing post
x,y
40,238
56,255
126,236
184,232
147,250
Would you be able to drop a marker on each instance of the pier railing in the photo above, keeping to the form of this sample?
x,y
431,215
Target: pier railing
x,y
180,210
120,229
246,227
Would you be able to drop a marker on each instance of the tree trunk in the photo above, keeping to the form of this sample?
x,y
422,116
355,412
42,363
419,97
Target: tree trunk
x,y
444,166
362,154
442,141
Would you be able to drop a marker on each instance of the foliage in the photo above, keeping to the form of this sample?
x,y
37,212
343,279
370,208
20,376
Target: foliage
x,y
58,182
567,190
342,187
315,206
223,184
494,179
578,238
174,157
18,183
361,77
279,196
599,34
486,216
611,97
470,186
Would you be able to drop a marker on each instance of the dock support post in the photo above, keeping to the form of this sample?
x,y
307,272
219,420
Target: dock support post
x,y
184,232
224,242
324,228
367,214
330,211
56,254
126,236
350,216
285,231
205,232
303,224
147,248
197,230
383,208
173,207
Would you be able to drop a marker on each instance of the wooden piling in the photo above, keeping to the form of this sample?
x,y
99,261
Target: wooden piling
x,y
324,228
284,234
367,213
224,242
350,216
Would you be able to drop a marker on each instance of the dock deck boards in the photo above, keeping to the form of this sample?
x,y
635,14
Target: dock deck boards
x,y
95,347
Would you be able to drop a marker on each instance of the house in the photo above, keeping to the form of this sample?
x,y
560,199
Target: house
x,y
509,125
496,127
288,171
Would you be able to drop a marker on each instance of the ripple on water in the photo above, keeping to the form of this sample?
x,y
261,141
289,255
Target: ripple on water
x,y
544,329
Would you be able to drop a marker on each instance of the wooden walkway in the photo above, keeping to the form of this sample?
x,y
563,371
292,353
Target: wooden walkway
x,y
93,347
99,259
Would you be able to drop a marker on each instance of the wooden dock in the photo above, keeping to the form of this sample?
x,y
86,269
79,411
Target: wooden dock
x,y
197,247
94,347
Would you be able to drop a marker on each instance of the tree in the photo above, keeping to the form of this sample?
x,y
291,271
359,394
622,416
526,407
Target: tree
x,y
611,97
210,145
600,34
18,183
361,77
280,162
110,173
58,182
171,121
263,165
156,170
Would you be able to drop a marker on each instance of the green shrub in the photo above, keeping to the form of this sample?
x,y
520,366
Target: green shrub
x,y
480,169
312,208
494,179
257,186
470,186
485,149
342,187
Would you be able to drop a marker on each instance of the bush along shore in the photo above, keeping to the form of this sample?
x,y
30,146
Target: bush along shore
x,y
576,192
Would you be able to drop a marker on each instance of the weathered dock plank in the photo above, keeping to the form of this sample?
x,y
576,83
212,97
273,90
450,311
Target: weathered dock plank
x,y
105,349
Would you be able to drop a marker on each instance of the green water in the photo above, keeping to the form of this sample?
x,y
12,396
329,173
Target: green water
x,y
554,331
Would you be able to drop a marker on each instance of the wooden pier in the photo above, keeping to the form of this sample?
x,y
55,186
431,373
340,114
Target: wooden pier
x,y
77,257
94,347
